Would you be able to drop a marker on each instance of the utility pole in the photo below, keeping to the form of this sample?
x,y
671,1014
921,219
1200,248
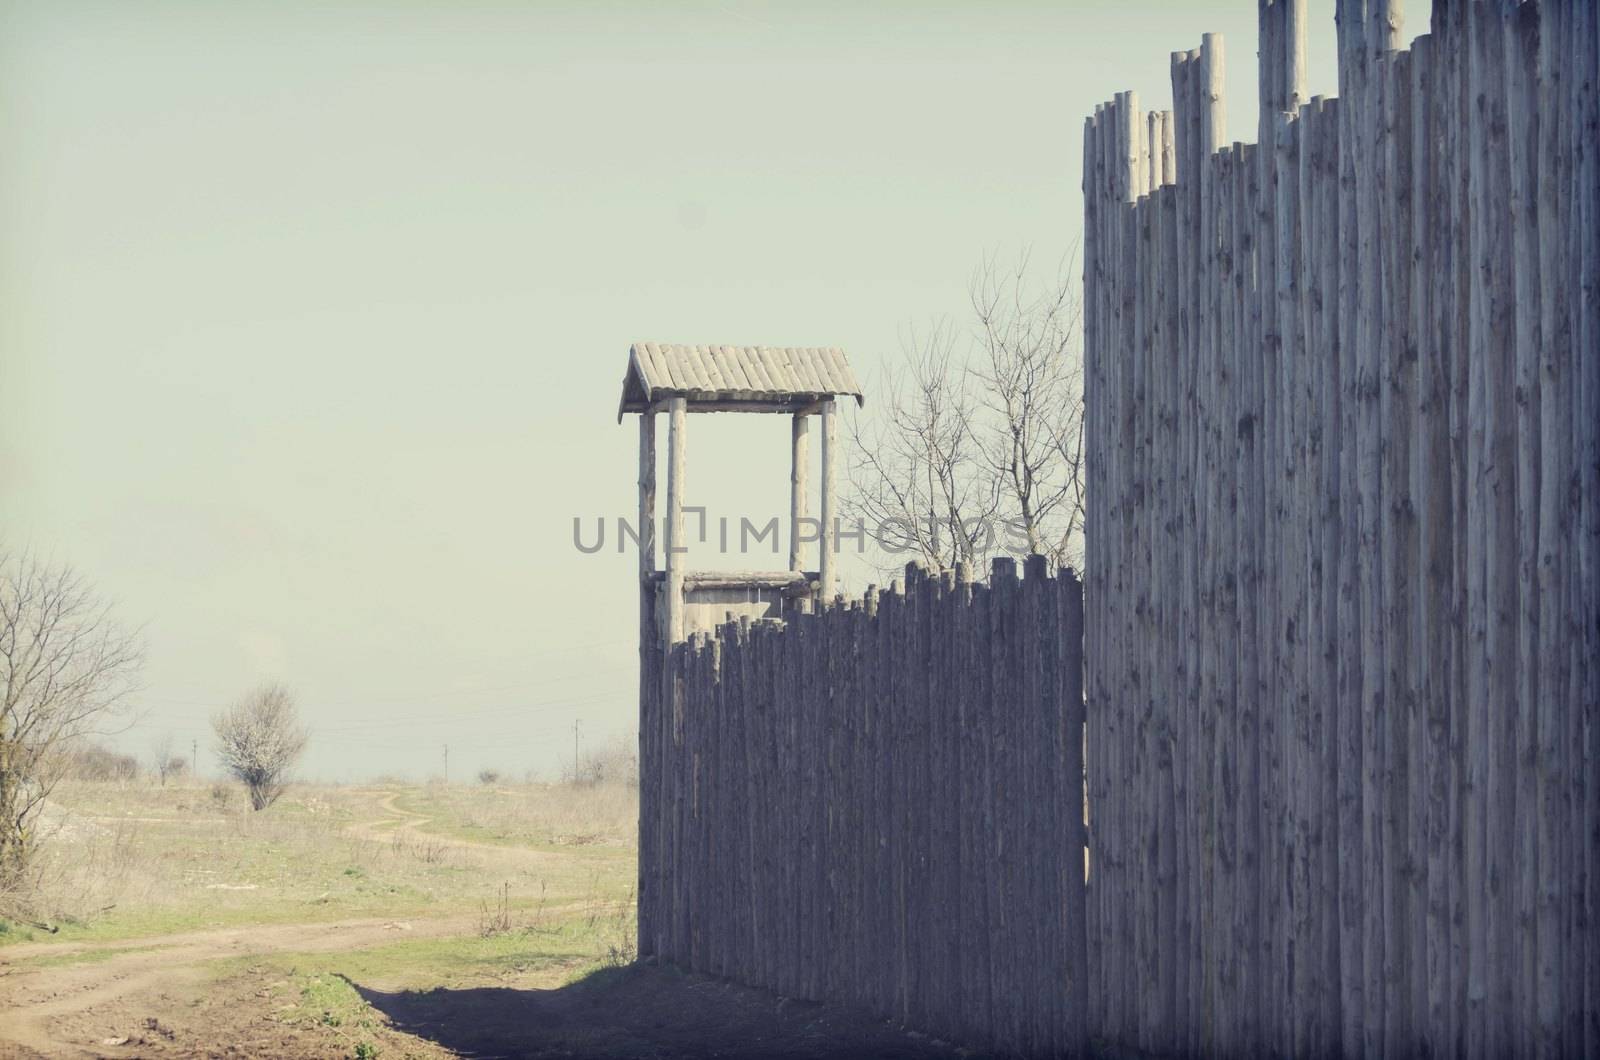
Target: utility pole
x,y
574,750
447,763
194,758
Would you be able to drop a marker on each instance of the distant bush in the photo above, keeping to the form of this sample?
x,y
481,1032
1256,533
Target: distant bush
x,y
615,763
488,776
165,762
96,762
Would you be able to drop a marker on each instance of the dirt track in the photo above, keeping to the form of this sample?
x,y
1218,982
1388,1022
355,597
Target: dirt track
x,y
41,1008
40,1004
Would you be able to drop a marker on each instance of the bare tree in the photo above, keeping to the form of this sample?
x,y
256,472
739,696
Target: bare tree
x,y
258,739
67,670
1031,369
164,759
916,465
976,442
91,761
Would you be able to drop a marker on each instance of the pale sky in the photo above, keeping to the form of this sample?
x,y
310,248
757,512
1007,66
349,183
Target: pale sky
x,y
313,315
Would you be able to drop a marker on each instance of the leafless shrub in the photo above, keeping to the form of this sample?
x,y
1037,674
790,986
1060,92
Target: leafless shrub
x,y
488,777
165,761
66,670
624,947
496,920
420,847
79,871
94,762
259,739
616,762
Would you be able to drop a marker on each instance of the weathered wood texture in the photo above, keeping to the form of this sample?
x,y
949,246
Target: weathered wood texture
x,y
882,803
1341,410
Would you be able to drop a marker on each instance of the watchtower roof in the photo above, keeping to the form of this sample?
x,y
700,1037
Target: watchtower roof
x,y
735,378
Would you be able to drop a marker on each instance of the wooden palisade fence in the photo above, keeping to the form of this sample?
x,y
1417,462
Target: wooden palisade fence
x,y
1343,395
1343,752
875,804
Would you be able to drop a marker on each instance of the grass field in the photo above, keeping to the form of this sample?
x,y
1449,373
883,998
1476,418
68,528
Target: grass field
x,y
431,887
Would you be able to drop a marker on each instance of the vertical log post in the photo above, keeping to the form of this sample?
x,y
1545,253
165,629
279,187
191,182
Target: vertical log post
x,y
799,457
649,689
827,540
672,631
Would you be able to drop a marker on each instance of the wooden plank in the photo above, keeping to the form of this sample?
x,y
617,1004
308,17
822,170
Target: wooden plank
x,y
1164,675
1497,321
1351,31
1268,653
1075,904
1397,402
1323,371
1520,28
1291,751
1095,400
1480,1036
1431,486
1006,955
1554,520
1186,79
1369,511
1584,582
980,746
1458,329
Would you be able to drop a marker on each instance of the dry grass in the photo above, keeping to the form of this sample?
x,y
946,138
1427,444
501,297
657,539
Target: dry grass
x,y
542,816
135,859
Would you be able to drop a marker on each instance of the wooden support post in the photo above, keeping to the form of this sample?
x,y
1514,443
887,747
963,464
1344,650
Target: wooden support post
x,y
828,539
1295,20
647,494
797,488
675,546
649,687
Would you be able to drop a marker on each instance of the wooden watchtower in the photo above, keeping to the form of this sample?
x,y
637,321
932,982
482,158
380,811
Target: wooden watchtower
x,y
800,382
678,380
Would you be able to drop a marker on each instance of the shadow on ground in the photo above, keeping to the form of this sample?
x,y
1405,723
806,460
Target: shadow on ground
x,y
645,1011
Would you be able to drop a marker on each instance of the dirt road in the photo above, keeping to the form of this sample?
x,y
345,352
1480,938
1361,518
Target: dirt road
x,y
61,1009
80,1009
55,1009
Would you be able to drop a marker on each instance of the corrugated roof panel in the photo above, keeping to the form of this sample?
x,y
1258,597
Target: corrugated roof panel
x,y
797,366
776,374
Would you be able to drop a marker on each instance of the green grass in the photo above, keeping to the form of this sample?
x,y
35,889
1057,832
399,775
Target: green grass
x,y
555,954
317,989
76,957
12,932
554,819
